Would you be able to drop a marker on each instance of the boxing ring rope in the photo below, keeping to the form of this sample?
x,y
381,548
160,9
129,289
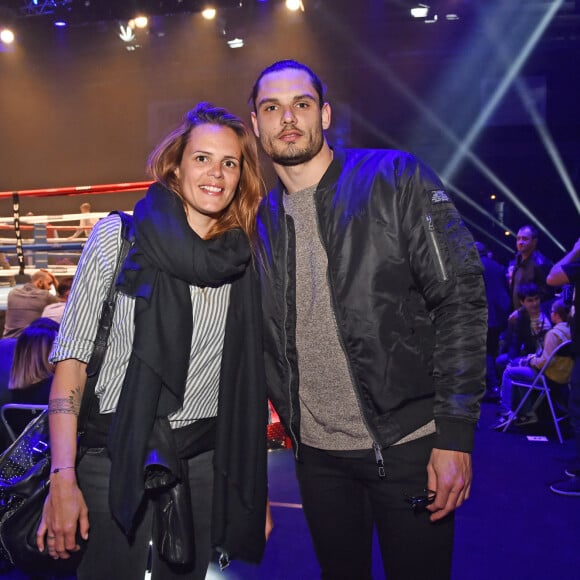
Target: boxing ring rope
x,y
46,231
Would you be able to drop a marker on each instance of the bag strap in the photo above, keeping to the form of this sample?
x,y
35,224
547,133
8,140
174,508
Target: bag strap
x,y
105,322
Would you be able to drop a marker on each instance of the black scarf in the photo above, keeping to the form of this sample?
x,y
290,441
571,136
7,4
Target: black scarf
x,y
168,257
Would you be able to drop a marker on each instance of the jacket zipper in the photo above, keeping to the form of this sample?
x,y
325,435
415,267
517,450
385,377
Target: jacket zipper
x,y
288,365
432,240
376,446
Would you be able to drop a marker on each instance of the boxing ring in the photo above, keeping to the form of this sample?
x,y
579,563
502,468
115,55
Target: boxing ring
x,y
53,241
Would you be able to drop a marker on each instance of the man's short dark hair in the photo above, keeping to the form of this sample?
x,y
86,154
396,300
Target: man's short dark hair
x,y
288,64
529,290
533,230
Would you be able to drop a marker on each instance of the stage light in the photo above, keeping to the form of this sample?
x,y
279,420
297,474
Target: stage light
x,y
209,13
493,196
6,36
140,21
61,14
294,5
236,43
420,11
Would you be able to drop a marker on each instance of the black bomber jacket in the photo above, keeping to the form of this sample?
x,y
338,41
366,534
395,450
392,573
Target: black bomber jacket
x,y
408,296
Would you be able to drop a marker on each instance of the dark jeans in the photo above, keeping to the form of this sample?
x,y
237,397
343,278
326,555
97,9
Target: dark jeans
x,y
491,379
343,498
574,402
110,555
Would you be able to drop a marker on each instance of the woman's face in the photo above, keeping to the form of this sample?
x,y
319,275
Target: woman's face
x,y
209,173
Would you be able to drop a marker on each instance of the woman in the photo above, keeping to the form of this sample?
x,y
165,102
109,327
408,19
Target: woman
x,y
183,366
31,373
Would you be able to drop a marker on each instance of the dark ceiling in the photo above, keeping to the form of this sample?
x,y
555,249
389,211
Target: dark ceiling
x,y
80,108
565,27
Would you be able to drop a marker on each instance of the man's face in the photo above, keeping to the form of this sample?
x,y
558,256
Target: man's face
x,y
532,305
288,120
525,243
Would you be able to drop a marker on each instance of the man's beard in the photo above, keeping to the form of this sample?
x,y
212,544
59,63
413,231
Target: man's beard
x,y
292,155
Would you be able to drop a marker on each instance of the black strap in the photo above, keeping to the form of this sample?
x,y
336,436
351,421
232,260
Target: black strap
x,y
105,323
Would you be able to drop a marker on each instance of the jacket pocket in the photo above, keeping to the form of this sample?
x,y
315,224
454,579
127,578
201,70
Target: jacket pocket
x,y
435,247
451,244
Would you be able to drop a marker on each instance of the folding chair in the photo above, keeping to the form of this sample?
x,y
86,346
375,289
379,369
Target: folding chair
x,y
20,410
541,384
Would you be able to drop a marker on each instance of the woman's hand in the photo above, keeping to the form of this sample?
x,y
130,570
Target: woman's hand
x,y
64,512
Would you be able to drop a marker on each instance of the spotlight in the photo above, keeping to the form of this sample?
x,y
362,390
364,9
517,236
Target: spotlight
x,y
209,13
420,11
295,5
6,36
506,233
492,196
140,21
61,14
236,43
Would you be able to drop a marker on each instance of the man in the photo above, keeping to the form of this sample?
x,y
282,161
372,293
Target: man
x,y
26,302
375,326
529,265
498,304
56,311
85,224
567,271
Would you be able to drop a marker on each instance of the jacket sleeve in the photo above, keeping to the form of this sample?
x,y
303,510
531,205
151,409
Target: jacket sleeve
x,y
448,273
551,341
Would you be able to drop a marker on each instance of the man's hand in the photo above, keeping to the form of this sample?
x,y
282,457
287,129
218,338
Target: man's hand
x,y
449,476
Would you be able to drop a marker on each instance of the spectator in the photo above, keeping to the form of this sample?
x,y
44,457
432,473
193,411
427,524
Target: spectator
x,y
567,271
85,224
56,310
526,328
526,368
498,304
26,303
529,265
31,373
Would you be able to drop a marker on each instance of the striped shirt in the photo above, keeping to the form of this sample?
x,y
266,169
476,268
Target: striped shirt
x,y
79,326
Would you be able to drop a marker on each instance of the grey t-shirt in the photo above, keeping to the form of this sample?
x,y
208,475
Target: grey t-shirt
x,y
330,413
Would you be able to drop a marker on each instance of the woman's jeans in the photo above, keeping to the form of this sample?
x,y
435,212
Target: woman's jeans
x,y
110,555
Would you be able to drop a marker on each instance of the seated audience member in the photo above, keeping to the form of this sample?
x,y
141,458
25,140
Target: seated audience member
x,y
498,305
526,368
26,302
31,373
56,310
526,328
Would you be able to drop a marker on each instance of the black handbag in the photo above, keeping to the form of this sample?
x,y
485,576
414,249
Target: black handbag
x,y
24,480
25,465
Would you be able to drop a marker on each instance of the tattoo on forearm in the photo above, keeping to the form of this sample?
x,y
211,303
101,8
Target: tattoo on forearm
x,y
71,405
